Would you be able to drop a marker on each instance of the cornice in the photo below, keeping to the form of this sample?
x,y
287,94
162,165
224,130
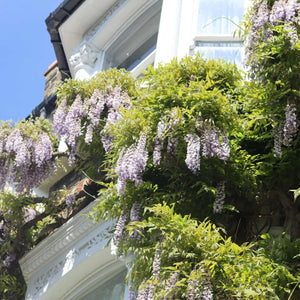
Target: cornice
x,y
54,245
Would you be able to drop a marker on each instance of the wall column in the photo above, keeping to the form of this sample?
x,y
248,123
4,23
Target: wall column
x,y
168,33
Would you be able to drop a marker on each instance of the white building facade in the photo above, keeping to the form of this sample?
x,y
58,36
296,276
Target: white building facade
x,y
93,35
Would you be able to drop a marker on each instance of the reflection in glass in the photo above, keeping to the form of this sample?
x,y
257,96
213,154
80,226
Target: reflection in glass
x,y
112,289
229,51
219,16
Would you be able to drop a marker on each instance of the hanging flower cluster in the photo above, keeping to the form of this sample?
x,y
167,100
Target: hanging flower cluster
x,y
120,227
283,12
202,290
69,122
193,152
134,216
30,214
214,143
131,164
219,201
148,292
165,127
4,228
171,292
25,160
284,133
70,200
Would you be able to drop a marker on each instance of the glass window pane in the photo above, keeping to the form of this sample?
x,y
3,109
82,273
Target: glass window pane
x,y
229,51
219,16
136,42
110,290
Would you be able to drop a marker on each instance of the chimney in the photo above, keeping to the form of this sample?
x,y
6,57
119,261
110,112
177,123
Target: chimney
x,y
52,79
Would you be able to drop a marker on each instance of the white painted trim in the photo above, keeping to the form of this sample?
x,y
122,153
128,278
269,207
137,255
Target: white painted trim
x,y
99,23
215,38
143,65
60,262
168,33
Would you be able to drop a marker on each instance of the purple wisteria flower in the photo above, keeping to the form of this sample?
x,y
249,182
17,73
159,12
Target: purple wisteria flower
x,y
30,214
292,33
282,13
83,117
14,141
133,293
27,160
70,200
107,139
193,290
278,138
219,201
118,234
23,156
135,216
192,159
291,7
206,286
89,134
3,139
42,149
290,127
261,18
131,164
157,261
278,12
9,259
143,293
73,122
160,136
59,119
210,140
172,144
202,291
165,128
171,292
117,98
94,107
224,148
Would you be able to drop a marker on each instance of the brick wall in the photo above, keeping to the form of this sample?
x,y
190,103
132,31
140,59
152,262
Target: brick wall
x,y
52,79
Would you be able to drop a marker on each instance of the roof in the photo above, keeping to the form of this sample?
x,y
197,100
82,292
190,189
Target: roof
x,y
53,22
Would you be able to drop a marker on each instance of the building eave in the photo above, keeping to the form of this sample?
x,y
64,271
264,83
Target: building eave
x,y
53,22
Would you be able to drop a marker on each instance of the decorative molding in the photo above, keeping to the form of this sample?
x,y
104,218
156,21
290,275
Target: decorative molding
x,y
57,255
52,273
108,15
85,56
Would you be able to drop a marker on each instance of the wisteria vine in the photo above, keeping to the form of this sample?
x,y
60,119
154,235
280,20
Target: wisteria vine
x,y
83,117
269,22
25,159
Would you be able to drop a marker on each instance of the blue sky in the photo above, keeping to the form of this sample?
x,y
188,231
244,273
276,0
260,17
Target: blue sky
x,y
26,52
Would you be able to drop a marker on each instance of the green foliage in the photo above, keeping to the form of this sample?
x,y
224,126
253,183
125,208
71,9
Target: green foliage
x,y
281,250
102,81
178,204
235,272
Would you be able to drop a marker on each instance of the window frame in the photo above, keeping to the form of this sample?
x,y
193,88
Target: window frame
x,y
214,38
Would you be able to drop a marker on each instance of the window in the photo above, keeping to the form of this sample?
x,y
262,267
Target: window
x,y
219,16
216,23
112,289
136,42
232,52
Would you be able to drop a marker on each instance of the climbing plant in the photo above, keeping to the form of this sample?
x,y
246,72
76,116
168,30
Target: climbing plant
x,y
195,160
